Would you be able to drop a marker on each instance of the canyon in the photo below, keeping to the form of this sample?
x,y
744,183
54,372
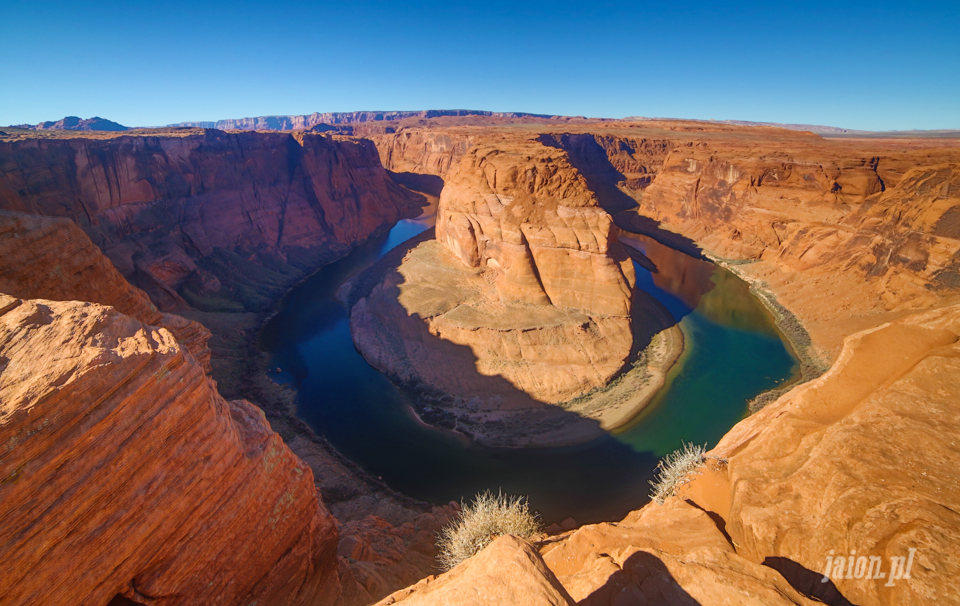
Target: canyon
x,y
139,267
846,240
526,282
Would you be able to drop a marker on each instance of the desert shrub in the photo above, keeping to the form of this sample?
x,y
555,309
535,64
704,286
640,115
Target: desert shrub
x,y
480,522
675,469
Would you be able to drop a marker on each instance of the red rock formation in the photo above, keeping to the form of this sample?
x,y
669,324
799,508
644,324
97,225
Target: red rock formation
x,y
423,151
206,503
816,218
508,571
528,215
525,298
51,258
437,323
383,557
221,219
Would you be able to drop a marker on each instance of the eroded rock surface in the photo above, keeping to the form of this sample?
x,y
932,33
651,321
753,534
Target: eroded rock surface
x,y
528,215
51,258
864,227
437,323
205,219
524,299
508,571
123,472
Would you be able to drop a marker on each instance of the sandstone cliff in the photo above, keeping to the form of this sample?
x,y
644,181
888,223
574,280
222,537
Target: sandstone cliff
x,y
872,236
206,503
51,258
508,571
525,298
484,366
529,216
212,221
865,226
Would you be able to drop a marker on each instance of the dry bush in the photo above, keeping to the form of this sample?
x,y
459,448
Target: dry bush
x,y
480,522
675,469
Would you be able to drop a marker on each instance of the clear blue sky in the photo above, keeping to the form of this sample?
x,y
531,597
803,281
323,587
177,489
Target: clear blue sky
x,y
870,65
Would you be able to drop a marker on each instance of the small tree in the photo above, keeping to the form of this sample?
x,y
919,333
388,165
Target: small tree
x,y
482,521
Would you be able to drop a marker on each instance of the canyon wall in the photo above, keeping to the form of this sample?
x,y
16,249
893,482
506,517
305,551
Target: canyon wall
x,y
251,527
423,151
210,221
107,400
849,237
206,503
51,258
871,236
529,216
866,226
860,461
525,299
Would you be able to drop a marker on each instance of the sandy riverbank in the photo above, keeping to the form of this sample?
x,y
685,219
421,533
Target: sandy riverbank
x,y
619,402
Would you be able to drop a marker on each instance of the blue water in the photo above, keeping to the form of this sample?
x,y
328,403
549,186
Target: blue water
x,y
733,352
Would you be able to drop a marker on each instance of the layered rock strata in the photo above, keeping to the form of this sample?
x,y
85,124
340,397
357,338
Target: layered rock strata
x,y
306,121
529,216
51,258
865,226
206,505
508,571
211,221
487,367
524,299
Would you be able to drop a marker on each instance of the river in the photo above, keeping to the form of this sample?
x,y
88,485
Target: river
x,y
733,352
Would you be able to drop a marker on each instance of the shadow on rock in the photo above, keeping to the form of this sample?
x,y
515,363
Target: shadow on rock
x,y
643,579
808,582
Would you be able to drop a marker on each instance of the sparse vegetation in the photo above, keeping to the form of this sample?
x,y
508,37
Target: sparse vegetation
x,y
675,469
480,522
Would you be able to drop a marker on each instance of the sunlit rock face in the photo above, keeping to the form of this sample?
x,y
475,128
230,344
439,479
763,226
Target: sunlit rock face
x,y
849,473
495,368
51,258
528,216
205,219
124,473
524,299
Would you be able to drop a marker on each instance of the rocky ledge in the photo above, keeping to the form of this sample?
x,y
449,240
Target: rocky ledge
x,y
99,408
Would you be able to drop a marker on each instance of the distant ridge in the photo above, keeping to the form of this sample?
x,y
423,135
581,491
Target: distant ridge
x,y
75,123
827,131
305,122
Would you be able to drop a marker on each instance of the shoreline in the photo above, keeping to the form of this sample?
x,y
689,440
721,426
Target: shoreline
x,y
525,421
635,389
811,363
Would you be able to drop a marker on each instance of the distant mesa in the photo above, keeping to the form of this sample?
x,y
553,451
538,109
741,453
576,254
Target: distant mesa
x,y
75,123
309,121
